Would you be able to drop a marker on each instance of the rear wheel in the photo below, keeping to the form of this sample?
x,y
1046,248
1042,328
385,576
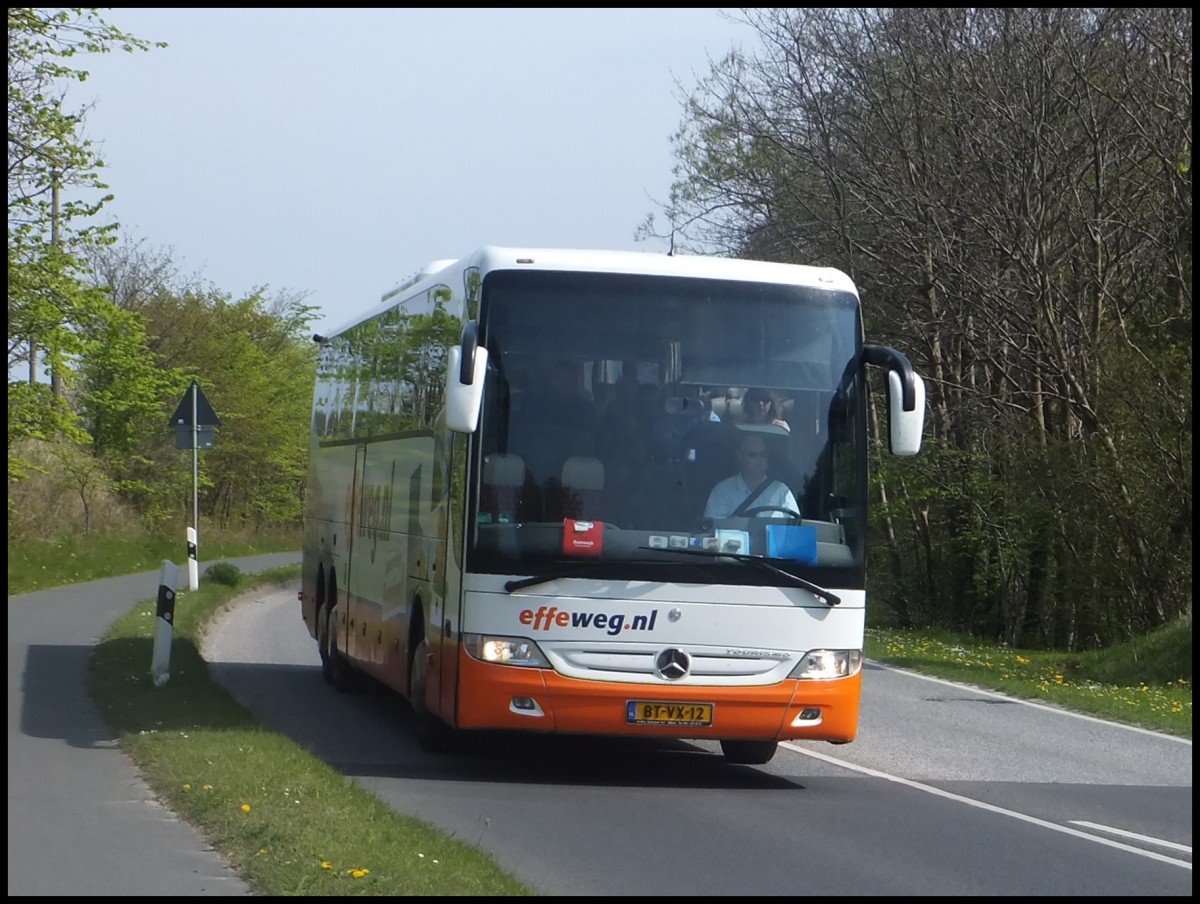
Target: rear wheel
x,y
323,643
335,668
751,753
432,733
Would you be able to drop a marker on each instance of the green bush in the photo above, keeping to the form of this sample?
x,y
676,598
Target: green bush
x,y
222,573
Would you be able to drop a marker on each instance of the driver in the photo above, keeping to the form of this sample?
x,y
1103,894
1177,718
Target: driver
x,y
751,488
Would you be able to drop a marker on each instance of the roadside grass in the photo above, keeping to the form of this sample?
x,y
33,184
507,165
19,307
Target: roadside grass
x,y
284,820
38,564
1146,682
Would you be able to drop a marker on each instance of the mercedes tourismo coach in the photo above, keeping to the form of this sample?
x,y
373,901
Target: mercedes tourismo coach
x,y
511,517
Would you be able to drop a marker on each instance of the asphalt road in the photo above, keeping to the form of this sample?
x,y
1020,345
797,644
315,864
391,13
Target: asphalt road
x,y
949,790
80,819
82,822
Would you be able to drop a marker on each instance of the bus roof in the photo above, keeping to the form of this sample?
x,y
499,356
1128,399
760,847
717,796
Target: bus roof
x,y
491,258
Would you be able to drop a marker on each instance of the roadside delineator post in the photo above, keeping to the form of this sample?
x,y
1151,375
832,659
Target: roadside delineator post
x,y
193,565
164,627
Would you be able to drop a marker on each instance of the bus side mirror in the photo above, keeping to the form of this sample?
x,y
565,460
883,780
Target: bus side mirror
x,y
466,367
904,427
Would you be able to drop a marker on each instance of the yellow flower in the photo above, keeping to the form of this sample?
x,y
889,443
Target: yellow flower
x,y
208,787
187,787
245,808
325,864
358,873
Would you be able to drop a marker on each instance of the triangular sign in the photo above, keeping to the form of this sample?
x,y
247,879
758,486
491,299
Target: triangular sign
x,y
205,416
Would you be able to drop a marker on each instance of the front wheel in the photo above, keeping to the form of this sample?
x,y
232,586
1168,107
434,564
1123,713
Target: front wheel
x,y
750,753
433,735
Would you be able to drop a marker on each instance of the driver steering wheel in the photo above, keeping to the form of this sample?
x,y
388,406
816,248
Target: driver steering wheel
x,y
759,509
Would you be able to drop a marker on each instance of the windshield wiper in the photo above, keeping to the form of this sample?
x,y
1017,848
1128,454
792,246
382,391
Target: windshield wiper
x,y
829,599
572,570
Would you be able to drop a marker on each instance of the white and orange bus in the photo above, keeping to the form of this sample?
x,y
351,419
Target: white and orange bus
x,y
507,518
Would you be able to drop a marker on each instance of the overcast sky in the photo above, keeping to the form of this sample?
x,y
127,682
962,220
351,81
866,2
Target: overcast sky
x,y
333,153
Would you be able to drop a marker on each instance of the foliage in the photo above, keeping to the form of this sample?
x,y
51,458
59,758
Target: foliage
x,y
50,308
257,367
222,573
1011,189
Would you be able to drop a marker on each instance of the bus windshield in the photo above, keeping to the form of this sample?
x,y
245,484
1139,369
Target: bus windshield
x,y
629,418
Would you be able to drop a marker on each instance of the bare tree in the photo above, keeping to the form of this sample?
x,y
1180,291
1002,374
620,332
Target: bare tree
x,y
1011,190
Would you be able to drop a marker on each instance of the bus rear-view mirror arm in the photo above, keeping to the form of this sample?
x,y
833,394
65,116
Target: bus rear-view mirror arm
x,y
905,399
465,372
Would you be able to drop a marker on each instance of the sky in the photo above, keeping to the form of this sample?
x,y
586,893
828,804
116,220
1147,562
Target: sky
x,y
333,153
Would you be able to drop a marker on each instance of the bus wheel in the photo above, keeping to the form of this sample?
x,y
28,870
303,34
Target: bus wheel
x,y
323,644
344,678
433,735
751,753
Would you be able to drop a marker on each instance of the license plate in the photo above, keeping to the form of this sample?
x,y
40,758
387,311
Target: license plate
x,y
653,712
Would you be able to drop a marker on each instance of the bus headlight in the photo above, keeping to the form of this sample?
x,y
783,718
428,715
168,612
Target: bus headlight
x,y
505,650
820,665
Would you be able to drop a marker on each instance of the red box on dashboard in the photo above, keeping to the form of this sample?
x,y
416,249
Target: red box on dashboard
x,y
582,538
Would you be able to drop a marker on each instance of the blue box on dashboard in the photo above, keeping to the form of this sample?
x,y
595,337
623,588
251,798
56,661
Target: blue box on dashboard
x,y
797,542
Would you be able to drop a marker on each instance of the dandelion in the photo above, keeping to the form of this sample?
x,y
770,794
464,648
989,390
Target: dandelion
x,y
208,787
187,787
325,864
358,873
245,808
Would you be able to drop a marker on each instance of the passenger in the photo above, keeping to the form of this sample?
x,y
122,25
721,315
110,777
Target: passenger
x,y
759,408
751,488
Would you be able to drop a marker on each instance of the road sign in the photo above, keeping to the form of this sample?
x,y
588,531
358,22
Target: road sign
x,y
204,414
194,437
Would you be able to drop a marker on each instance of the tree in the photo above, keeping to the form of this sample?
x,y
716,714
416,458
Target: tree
x,y
257,364
1011,189
51,308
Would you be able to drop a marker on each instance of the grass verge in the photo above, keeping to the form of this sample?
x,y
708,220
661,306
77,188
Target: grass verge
x,y
38,564
288,823
1146,682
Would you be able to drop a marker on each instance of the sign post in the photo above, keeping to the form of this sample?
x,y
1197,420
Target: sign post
x,y
194,422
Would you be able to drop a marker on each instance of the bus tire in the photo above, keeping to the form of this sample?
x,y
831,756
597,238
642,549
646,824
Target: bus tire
x,y
335,668
322,643
433,735
750,753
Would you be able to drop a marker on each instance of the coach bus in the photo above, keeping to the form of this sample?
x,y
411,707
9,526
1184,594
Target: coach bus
x,y
511,517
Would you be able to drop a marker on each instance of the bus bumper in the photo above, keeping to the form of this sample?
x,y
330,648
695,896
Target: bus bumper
x,y
526,699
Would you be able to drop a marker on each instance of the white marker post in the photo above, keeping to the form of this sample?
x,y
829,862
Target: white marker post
x,y
193,565
160,667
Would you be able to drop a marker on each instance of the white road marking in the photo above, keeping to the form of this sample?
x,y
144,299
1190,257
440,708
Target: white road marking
x,y
991,808
1145,839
